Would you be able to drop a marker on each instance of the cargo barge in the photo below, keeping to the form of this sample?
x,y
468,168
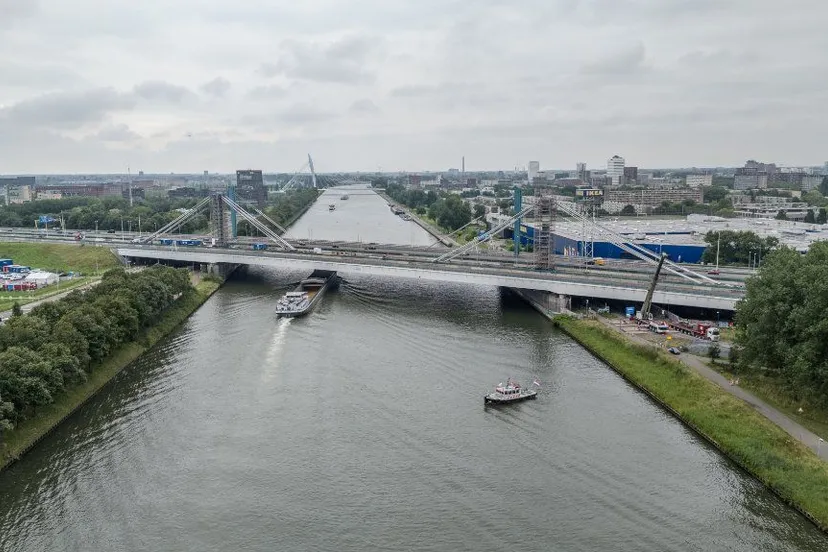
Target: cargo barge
x,y
307,294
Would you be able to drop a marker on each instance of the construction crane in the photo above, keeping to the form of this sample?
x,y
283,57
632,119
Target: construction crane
x,y
648,300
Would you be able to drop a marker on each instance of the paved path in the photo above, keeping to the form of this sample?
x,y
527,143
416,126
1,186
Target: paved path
x,y
794,429
29,306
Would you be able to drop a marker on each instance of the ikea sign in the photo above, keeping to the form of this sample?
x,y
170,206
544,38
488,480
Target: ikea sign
x,y
590,192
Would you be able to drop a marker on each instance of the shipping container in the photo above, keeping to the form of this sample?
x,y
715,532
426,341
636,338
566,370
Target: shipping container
x,y
6,262
165,241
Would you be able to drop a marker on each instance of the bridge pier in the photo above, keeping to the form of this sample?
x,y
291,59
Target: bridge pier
x,y
547,303
219,270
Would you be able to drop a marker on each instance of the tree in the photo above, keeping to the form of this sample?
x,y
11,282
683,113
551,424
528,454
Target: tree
x,y
714,352
823,186
628,210
809,216
479,211
780,322
16,310
781,215
822,217
714,193
736,247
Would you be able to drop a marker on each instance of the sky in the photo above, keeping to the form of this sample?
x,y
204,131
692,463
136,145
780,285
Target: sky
x,y
97,86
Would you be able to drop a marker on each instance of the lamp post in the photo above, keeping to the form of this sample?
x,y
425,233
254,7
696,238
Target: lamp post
x,y
96,228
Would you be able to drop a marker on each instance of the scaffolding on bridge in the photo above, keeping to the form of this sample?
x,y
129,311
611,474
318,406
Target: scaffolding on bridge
x,y
546,212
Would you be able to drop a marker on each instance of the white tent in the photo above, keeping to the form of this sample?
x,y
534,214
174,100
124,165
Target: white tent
x,y
42,279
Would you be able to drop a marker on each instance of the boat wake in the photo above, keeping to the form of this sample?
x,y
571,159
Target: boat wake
x,y
274,352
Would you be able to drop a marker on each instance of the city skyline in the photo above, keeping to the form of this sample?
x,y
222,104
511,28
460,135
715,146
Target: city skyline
x,y
95,87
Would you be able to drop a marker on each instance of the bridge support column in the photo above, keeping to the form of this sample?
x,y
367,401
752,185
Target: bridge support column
x,y
547,303
221,270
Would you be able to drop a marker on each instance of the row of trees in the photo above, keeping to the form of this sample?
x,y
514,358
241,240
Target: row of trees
x,y
57,344
283,208
150,214
449,210
781,326
736,247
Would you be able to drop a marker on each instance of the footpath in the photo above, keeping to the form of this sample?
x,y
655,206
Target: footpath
x,y
698,365
53,297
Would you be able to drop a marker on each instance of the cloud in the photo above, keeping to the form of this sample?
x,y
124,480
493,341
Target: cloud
x,y
16,9
623,61
116,133
344,60
267,92
161,91
39,76
364,106
67,110
218,87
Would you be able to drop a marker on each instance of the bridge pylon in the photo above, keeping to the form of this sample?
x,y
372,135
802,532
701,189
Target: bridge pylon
x,y
220,224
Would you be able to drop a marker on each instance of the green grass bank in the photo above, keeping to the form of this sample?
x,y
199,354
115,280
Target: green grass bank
x,y
27,434
57,257
785,466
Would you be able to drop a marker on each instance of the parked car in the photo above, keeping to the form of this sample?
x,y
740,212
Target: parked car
x,y
674,350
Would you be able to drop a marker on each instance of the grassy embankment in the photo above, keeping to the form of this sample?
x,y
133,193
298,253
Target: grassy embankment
x,y
29,432
787,467
54,258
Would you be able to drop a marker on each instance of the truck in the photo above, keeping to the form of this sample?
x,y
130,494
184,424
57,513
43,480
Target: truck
x,y
259,246
699,330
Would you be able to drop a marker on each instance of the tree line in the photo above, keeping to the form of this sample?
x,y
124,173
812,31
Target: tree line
x,y
781,329
57,344
449,210
148,215
736,247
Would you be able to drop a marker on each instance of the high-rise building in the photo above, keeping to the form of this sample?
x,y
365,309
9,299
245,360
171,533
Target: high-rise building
x,y
630,174
615,170
534,169
581,172
250,188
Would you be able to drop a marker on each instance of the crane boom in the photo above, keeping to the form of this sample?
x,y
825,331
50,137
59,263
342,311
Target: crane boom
x,y
648,301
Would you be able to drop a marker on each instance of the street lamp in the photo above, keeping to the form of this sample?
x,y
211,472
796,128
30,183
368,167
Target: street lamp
x,y
96,227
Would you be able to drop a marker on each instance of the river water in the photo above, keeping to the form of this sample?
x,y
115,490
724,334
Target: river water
x,y
362,427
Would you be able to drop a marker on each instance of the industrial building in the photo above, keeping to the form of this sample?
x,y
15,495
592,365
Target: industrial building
x,y
681,239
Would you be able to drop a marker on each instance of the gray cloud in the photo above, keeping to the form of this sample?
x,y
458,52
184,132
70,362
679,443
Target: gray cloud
x,y
218,87
676,81
67,110
267,92
343,60
16,9
364,106
116,133
156,90
623,61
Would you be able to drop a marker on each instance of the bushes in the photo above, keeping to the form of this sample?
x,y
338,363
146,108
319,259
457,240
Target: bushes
x,y
58,343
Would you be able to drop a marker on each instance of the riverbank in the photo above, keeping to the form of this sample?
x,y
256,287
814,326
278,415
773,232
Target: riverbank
x,y
789,469
29,432
431,229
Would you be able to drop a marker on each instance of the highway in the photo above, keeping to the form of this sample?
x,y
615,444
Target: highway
x,y
631,275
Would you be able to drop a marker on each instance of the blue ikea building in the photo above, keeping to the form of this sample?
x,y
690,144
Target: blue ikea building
x,y
565,245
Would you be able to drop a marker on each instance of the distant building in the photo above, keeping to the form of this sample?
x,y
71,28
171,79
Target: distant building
x,y
18,194
82,190
534,169
250,187
615,170
749,178
811,182
699,180
415,180
644,200
49,194
581,172
184,192
630,175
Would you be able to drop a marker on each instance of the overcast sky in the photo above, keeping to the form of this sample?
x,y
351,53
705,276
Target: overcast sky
x,y
192,85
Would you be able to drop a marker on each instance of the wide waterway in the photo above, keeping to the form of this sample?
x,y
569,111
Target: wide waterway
x,y
362,427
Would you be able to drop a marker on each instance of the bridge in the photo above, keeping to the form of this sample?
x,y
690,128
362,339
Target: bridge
x,y
561,276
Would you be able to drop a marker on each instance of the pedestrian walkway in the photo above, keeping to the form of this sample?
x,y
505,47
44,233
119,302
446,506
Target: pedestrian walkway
x,y
794,429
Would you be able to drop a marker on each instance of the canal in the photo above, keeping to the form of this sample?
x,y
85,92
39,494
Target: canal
x,y
362,427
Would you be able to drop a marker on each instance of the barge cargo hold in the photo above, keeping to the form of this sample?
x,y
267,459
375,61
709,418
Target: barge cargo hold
x,y
307,294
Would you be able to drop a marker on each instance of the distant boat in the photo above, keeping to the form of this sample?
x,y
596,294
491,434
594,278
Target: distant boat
x,y
344,197
332,207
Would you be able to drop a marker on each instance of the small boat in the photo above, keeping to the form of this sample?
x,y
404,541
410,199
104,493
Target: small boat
x,y
405,216
307,294
509,393
332,207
